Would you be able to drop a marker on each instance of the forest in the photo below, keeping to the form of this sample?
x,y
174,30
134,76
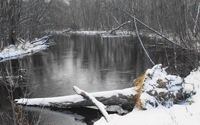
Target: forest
x,y
27,19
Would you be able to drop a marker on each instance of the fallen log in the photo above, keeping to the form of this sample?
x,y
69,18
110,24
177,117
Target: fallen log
x,y
119,27
99,105
115,97
65,31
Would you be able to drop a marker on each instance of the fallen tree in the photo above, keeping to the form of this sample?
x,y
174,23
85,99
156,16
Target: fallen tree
x,y
111,32
115,97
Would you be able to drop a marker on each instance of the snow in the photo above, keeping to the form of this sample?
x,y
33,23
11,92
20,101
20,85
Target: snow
x,y
47,101
158,85
179,114
22,49
74,98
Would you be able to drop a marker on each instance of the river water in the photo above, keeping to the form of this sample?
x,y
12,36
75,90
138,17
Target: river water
x,y
92,63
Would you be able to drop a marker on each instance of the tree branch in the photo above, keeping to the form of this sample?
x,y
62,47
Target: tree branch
x,y
119,27
197,17
142,43
99,105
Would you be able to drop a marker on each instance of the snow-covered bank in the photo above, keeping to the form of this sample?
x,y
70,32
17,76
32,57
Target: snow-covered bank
x,y
103,33
125,33
187,113
24,48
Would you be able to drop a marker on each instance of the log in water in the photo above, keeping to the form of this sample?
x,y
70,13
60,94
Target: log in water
x,y
115,97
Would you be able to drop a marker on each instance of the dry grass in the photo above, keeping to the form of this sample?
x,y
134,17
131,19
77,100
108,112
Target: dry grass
x,y
138,82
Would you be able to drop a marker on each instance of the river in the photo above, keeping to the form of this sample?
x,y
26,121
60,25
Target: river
x,y
92,63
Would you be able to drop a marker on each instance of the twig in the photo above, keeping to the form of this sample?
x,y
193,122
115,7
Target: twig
x,y
115,19
197,17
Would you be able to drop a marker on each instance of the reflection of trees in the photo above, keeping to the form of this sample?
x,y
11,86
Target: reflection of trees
x,y
118,54
122,54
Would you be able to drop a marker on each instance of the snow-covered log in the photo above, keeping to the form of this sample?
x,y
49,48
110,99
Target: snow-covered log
x,y
45,37
115,97
99,105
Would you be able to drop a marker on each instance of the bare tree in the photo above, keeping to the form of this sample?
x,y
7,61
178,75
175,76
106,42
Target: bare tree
x,y
22,19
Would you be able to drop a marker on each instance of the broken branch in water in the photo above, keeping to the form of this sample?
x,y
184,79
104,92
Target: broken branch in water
x,y
99,105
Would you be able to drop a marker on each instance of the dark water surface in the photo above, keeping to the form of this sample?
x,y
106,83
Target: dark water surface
x,y
93,64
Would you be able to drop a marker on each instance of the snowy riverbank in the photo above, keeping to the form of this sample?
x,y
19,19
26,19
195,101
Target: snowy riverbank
x,y
103,33
24,48
187,113
171,38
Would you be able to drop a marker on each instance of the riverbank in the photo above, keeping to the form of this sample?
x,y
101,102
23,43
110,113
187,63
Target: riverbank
x,y
180,114
167,35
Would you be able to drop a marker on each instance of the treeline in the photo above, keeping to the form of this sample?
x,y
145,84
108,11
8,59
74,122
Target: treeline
x,y
159,14
28,18
175,16
23,19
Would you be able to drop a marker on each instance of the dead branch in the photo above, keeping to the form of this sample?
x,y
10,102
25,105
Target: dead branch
x,y
100,105
197,17
66,30
119,27
142,43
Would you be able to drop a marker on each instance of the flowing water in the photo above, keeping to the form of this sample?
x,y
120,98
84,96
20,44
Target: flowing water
x,y
92,63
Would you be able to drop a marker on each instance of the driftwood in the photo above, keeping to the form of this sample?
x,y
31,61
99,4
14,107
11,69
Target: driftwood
x,y
88,96
115,97
119,27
